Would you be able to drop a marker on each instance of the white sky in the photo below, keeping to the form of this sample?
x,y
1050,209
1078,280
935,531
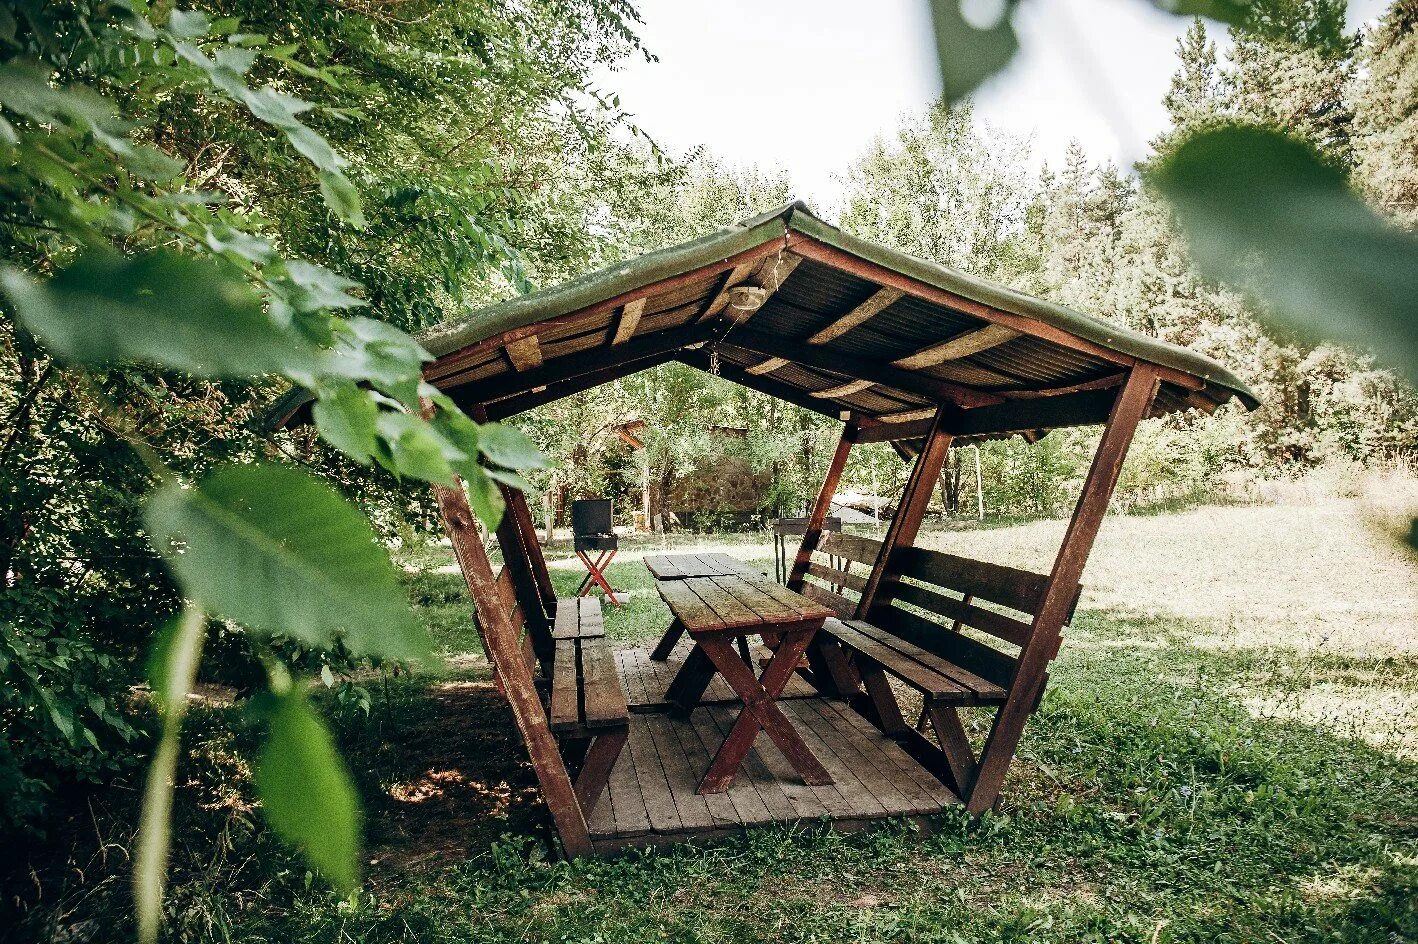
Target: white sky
x,y
805,85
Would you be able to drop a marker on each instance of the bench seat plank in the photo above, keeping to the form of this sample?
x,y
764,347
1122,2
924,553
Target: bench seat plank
x,y
924,671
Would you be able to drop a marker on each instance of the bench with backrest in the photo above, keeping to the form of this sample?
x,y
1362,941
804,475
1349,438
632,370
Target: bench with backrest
x,y
947,626
585,703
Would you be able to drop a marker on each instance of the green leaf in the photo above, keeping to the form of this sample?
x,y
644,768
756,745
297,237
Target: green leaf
x,y
485,498
172,663
342,197
365,349
280,552
158,308
417,450
1225,11
508,446
1265,215
968,55
172,671
348,420
306,790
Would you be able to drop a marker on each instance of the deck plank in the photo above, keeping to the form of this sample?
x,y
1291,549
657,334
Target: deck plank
x,y
858,798
660,805
721,807
743,794
680,775
907,765
773,793
629,817
897,794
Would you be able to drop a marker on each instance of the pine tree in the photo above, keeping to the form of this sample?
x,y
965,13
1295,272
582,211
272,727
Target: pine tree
x,y
1291,69
1386,115
1193,98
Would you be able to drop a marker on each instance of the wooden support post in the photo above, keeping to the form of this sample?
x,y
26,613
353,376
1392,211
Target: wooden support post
x,y
522,556
883,709
831,672
812,532
907,522
503,651
1130,407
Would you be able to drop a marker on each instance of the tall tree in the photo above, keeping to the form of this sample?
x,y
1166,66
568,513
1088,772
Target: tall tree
x,y
1386,115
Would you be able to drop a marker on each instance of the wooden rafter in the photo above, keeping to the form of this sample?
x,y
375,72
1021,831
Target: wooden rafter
x,y
862,313
847,365
628,321
882,275
906,416
842,390
962,345
768,366
524,353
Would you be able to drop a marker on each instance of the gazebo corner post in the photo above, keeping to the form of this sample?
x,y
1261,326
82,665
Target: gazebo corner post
x,y
522,555
817,517
504,653
1130,407
882,708
831,672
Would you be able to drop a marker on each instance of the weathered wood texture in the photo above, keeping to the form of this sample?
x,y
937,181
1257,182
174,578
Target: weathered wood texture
x,y
1060,594
503,650
652,798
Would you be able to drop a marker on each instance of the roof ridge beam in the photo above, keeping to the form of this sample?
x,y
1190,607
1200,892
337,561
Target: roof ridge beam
x,y
768,274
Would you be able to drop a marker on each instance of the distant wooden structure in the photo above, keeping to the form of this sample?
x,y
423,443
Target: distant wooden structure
x,y
899,350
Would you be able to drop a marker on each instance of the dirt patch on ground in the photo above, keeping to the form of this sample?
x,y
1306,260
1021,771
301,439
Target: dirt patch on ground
x,y
453,783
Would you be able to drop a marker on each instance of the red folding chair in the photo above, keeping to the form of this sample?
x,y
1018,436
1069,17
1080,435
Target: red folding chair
x,y
591,533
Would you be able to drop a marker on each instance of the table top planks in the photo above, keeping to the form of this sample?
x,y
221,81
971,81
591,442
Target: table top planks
x,y
736,602
680,566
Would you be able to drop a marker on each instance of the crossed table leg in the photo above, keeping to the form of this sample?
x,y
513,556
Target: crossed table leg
x,y
595,575
760,713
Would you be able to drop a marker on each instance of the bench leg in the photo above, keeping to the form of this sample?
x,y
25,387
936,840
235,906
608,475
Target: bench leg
x,y
832,671
958,754
596,769
667,642
884,711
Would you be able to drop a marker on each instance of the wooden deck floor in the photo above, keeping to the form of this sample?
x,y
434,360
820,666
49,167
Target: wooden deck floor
x,y
652,798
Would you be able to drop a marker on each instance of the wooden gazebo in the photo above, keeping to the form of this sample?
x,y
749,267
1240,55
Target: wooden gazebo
x,y
899,350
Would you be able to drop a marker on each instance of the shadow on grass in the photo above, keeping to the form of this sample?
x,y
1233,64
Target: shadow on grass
x,y
1149,803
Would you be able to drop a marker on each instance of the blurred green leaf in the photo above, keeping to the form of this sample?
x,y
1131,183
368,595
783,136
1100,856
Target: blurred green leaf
x,y
280,552
1264,215
306,790
416,450
485,499
159,308
508,446
1224,11
966,54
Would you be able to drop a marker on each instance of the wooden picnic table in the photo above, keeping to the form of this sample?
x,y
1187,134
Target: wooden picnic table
x,y
679,566
718,611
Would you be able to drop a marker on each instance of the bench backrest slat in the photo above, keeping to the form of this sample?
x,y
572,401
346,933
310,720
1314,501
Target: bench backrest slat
x,y
837,603
856,549
963,593
985,661
1017,589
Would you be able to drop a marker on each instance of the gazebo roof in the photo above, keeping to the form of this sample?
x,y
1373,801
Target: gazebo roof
x,y
844,327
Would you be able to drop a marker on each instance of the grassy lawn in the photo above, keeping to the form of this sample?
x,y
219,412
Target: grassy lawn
x,y
1228,752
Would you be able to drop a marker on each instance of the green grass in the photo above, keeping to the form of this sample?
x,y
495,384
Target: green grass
x,y
1227,752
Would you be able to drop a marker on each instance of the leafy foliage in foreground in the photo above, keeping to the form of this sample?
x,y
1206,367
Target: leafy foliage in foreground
x,y
146,268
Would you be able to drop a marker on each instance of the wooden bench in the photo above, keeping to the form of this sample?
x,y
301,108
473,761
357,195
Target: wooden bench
x,y
586,707
947,626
